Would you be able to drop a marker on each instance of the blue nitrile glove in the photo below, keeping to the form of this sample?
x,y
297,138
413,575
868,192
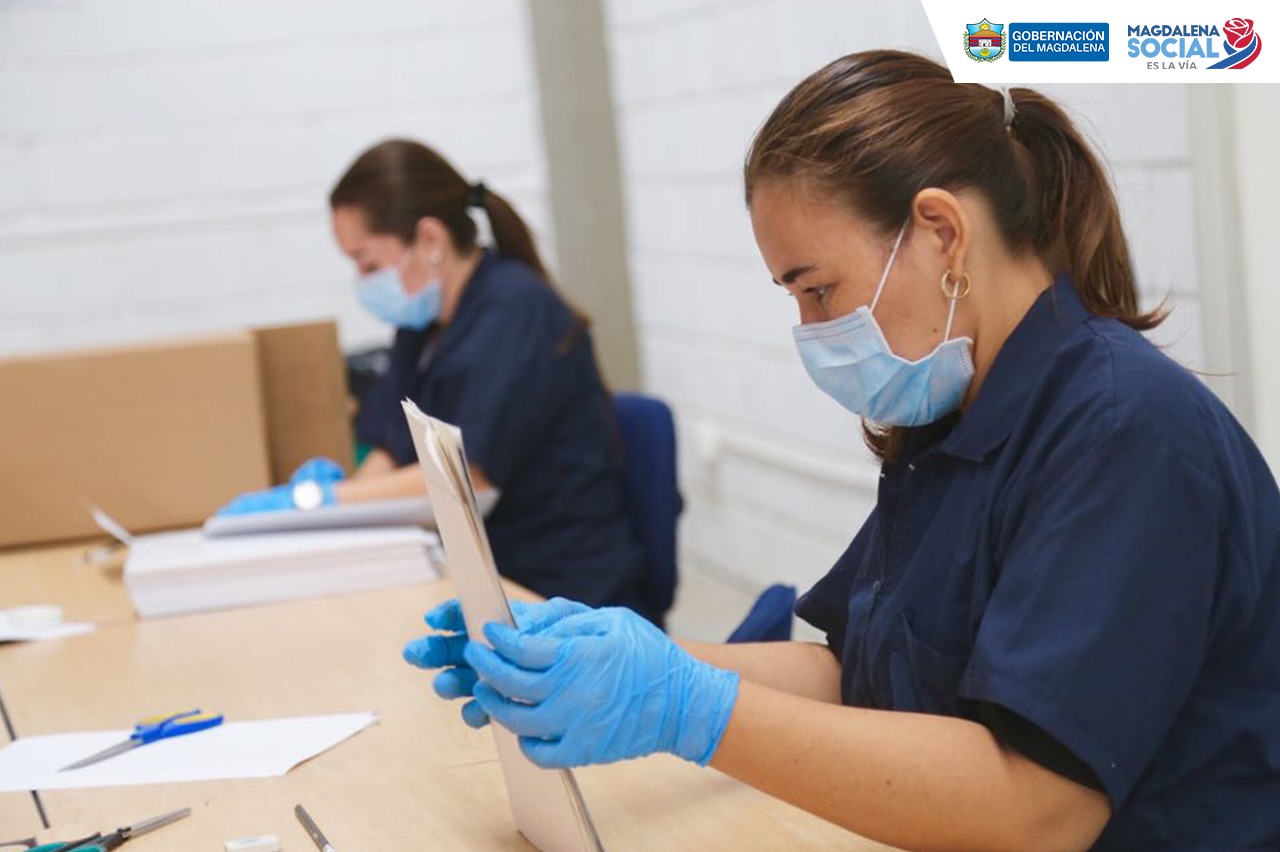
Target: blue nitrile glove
x,y
273,500
320,469
600,686
445,651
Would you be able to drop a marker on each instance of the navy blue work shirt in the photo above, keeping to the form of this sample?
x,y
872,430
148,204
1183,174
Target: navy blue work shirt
x,y
1093,547
514,372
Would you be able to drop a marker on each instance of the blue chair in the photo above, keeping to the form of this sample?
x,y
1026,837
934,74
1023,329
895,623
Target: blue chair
x,y
648,434
770,617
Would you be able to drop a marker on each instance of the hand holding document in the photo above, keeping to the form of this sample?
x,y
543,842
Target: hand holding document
x,y
547,805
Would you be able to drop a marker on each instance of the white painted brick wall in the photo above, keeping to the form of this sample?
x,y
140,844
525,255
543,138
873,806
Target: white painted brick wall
x,y
692,81
164,167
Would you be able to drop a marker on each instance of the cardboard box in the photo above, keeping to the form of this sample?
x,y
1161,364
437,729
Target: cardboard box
x,y
160,435
304,389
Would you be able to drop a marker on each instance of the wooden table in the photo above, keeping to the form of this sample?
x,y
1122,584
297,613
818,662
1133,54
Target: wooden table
x,y
418,780
18,817
58,575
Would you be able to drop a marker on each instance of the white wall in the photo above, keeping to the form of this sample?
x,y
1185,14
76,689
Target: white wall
x,y
164,166
693,80
1257,128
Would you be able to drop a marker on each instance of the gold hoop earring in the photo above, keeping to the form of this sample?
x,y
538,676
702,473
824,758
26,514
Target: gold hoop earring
x,y
955,288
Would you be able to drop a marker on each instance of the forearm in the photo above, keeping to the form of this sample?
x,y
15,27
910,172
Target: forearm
x,y
396,482
910,780
400,482
800,668
377,463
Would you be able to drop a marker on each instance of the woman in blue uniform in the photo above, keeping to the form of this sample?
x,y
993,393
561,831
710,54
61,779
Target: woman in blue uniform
x,y
483,341
1060,626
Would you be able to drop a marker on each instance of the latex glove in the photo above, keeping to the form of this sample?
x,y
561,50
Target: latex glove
x,y
600,686
272,500
446,651
320,469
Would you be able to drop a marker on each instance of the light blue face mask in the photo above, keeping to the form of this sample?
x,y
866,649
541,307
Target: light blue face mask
x,y
382,293
850,360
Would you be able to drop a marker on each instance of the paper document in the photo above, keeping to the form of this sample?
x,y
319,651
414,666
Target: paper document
x,y
184,571
401,511
235,750
9,633
36,623
547,805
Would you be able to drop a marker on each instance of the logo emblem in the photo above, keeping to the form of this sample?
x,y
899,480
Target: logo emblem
x,y
984,41
1242,43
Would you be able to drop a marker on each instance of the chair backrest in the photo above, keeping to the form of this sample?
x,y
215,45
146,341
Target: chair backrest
x,y
648,434
770,616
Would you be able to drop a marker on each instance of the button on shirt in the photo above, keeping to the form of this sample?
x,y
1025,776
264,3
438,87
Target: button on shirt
x,y
1093,547
521,382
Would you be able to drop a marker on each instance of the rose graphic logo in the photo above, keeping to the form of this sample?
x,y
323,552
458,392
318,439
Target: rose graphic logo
x,y
1243,44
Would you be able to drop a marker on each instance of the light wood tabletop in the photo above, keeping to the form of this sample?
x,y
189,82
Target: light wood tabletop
x,y
18,816
420,779
59,575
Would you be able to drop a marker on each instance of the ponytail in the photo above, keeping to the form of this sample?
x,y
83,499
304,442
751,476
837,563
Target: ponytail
x,y
1078,226
511,236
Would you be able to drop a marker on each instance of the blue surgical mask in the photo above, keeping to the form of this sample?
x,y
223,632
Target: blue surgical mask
x,y
850,360
383,294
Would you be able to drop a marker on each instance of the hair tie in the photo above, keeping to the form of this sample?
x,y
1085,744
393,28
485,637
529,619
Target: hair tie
x,y
477,194
1009,109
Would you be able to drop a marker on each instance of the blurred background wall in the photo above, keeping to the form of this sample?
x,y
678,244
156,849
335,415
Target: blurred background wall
x,y
164,170
165,167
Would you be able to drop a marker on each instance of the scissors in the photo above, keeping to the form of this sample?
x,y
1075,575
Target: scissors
x,y
104,842
153,729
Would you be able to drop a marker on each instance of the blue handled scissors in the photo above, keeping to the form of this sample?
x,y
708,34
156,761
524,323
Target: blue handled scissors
x,y
153,729
106,842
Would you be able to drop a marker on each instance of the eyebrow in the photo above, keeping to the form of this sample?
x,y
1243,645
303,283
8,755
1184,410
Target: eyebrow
x,y
794,273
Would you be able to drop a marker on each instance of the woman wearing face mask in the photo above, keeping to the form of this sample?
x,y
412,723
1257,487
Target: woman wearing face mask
x,y
483,341
1060,627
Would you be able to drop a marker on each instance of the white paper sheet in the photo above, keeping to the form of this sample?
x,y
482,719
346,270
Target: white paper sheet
x,y
233,750
9,633
17,624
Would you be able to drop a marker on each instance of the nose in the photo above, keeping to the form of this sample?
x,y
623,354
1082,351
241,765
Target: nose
x,y
809,312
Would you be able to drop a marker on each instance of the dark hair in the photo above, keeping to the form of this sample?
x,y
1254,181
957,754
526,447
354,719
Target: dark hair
x,y
398,182
872,129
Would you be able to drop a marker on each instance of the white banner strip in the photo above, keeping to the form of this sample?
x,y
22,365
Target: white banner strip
x,y
1088,41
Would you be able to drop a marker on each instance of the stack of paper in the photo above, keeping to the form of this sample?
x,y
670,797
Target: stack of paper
x,y
397,512
180,572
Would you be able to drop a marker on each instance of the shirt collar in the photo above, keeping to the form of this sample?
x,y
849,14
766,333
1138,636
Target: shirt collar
x,y
1018,365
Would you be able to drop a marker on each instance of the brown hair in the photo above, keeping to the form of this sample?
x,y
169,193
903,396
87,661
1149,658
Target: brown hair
x,y
398,182
872,129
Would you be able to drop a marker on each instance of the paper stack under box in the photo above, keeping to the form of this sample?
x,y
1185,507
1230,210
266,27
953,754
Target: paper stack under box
x,y
172,573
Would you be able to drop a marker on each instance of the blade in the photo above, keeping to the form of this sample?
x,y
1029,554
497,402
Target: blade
x,y
118,748
317,836
156,822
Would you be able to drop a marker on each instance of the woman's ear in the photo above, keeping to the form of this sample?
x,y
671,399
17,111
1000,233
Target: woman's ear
x,y
940,219
431,236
